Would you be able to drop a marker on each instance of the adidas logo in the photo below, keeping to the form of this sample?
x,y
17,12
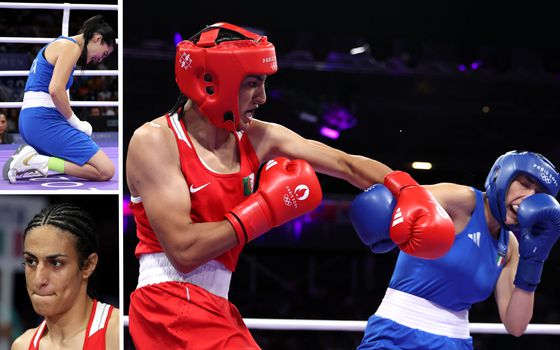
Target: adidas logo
x,y
475,238
397,218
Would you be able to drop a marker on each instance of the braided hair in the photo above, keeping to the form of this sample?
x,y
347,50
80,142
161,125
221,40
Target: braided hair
x,y
74,220
95,24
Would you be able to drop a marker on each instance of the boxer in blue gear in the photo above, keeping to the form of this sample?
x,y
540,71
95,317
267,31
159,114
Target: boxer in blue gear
x,y
426,305
57,139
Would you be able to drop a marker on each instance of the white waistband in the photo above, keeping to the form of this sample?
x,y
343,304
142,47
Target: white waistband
x,y
212,276
418,313
37,99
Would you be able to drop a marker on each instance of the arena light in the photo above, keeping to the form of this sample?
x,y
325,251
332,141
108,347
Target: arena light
x,y
308,117
339,118
177,38
330,133
422,165
476,64
297,228
360,49
127,212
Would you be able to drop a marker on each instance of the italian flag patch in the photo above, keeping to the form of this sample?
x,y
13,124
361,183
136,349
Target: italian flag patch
x,y
499,260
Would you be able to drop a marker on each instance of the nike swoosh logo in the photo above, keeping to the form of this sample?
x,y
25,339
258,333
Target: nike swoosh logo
x,y
26,160
196,189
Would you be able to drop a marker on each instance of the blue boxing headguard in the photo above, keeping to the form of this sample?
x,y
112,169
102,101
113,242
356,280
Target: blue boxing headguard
x,y
510,165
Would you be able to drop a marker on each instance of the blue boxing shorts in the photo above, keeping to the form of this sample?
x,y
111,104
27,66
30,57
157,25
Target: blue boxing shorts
x,y
46,130
383,333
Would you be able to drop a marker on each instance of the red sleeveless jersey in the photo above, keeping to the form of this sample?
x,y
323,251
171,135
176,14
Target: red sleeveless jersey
x,y
95,331
212,194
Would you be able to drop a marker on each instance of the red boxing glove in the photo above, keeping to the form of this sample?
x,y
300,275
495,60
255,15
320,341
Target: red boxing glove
x,y
284,190
420,226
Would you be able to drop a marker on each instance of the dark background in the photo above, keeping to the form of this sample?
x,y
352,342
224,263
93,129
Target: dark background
x,y
411,102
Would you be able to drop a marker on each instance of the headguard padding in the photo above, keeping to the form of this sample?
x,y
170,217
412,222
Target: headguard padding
x,y
506,168
210,67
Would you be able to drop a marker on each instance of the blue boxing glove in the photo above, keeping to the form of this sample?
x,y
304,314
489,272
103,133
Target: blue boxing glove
x,y
539,220
370,213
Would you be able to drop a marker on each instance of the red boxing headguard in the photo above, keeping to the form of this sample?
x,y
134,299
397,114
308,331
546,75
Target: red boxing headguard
x,y
210,67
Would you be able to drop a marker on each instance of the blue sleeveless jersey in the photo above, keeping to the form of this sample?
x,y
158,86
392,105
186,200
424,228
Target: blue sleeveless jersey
x,y
465,275
41,72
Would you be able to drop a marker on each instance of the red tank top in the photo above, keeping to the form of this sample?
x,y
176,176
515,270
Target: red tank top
x,y
212,194
95,331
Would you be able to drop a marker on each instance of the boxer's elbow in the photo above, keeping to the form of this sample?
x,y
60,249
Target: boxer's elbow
x,y
184,260
516,330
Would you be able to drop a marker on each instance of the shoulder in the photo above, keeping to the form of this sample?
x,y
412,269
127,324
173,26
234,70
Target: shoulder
x,y
154,127
151,136
151,148
457,200
114,319
64,47
23,341
260,129
268,137
113,327
452,193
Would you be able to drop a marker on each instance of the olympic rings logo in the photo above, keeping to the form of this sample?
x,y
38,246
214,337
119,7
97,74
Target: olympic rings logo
x,y
547,179
300,193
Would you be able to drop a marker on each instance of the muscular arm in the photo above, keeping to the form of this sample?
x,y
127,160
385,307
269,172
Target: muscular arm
x,y
514,304
153,173
64,56
273,140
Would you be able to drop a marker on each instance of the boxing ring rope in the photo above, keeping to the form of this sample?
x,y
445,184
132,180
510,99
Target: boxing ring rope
x,y
72,103
22,73
64,6
359,326
27,40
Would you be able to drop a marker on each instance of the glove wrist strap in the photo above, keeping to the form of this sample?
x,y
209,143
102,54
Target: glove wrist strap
x,y
250,219
237,227
74,121
397,180
528,274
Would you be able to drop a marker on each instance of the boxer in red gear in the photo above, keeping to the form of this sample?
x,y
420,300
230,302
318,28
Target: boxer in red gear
x,y
60,255
95,332
191,174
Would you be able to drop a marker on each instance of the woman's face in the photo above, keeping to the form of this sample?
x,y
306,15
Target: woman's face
x,y
3,123
97,50
521,188
252,94
52,271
